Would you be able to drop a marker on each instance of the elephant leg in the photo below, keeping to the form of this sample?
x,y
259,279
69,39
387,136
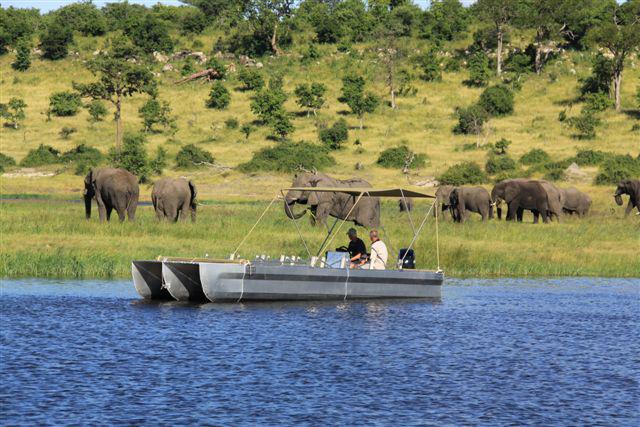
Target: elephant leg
x,y
102,212
536,215
184,211
109,209
131,210
629,208
122,214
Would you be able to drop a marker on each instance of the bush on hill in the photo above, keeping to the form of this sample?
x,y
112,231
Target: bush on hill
x,y
470,120
463,173
55,41
251,79
6,162
64,104
43,155
83,17
289,157
497,100
333,137
535,156
192,156
591,157
496,164
132,156
219,97
618,167
400,157
82,154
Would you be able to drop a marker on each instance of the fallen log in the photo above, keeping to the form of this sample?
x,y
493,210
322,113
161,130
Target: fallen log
x,y
208,74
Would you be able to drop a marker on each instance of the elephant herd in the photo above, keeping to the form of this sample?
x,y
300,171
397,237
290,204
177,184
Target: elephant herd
x,y
175,199
541,198
118,189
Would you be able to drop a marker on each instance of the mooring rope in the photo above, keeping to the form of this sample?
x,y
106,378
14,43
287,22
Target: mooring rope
x,y
346,284
244,273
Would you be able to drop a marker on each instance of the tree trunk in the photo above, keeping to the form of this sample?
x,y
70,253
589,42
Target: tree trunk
x,y
499,50
118,117
617,83
538,60
393,98
274,40
361,122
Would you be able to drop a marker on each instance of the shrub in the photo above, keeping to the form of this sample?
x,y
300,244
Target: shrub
x,y
585,124
193,22
6,162
429,64
43,155
597,102
83,17
310,96
497,100
55,40
333,137
280,124
66,132
496,164
267,104
13,112
501,146
601,76
232,123
289,157
132,156
191,156
219,97
97,110
311,54
159,162
251,79
470,120
82,154
247,130
463,173
23,56
519,63
479,72
535,156
511,174
400,157
188,67
149,33
554,175
64,104
154,112
591,157
618,167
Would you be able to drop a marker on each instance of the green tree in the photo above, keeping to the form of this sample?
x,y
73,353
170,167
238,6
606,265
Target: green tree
x,y
620,35
64,104
544,18
310,96
83,17
219,97
267,17
601,77
118,78
159,162
154,112
429,64
97,110
23,56
281,125
150,34
193,22
251,79
133,156
55,41
354,96
501,14
479,72
17,24
497,100
267,103
13,112
445,20
333,137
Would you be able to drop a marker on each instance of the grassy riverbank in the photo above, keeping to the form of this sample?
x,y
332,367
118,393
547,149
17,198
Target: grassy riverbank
x,y
49,238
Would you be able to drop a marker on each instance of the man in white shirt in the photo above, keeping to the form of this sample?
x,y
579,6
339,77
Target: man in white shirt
x,y
379,254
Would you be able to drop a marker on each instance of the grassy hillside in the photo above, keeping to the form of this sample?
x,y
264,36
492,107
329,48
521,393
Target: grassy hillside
x,y
423,121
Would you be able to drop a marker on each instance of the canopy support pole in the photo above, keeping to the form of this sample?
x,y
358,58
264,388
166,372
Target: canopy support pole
x,y
404,199
328,235
322,248
437,240
418,233
296,224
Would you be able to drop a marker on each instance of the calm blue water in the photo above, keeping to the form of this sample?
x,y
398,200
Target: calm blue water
x,y
492,352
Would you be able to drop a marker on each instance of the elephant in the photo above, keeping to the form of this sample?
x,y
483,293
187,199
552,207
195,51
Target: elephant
x,y
556,199
405,204
575,201
338,205
632,188
442,199
112,189
470,199
498,190
173,198
521,194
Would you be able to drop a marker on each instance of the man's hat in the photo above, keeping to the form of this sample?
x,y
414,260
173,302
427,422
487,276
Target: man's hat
x,y
352,232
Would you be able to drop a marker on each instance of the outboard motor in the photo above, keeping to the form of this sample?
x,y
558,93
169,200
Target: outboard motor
x,y
407,259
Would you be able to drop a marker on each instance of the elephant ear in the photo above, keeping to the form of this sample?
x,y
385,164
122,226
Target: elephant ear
x,y
194,192
314,198
89,178
510,192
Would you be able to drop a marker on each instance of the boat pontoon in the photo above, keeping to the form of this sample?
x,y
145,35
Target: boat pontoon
x,y
317,278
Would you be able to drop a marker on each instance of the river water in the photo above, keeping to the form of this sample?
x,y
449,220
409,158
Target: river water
x,y
497,352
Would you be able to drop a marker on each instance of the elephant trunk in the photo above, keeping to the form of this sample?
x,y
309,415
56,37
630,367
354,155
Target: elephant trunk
x,y
618,199
87,205
288,209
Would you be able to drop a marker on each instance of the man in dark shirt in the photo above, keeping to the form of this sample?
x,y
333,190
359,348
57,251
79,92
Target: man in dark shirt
x,y
357,249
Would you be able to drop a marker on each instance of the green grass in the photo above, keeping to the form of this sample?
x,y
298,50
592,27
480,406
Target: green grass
x,y
52,239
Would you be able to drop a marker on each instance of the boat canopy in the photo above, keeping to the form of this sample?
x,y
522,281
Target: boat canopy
x,y
367,192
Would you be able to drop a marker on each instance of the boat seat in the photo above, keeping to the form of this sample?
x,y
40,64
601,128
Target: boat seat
x,y
407,259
